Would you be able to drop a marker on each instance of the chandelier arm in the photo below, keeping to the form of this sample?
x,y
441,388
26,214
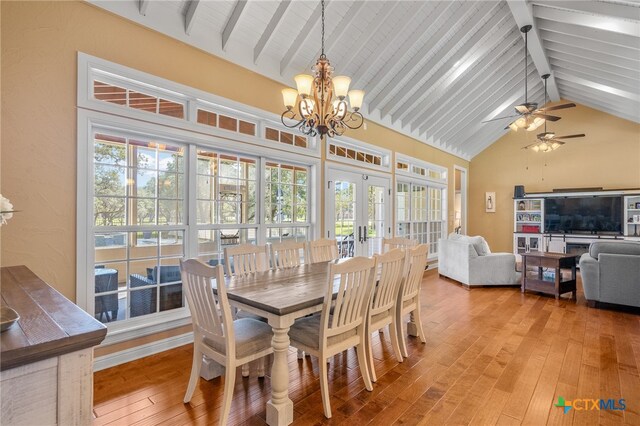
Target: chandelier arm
x,y
359,120
291,115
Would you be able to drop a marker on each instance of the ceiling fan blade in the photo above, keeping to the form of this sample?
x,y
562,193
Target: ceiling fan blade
x,y
546,117
555,107
501,118
522,109
581,135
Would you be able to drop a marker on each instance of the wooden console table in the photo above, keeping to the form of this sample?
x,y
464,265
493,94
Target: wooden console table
x,y
46,359
557,261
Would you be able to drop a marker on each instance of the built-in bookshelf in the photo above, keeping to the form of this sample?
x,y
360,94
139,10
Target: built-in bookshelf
x,y
528,221
632,216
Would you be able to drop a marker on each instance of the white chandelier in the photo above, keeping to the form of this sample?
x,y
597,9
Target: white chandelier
x,y
321,98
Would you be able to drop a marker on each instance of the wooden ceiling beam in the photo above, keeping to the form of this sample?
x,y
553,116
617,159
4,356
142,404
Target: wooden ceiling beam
x,y
412,42
391,43
190,14
367,36
607,23
634,96
143,5
232,22
477,47
427,50
271,28
309,27
523,14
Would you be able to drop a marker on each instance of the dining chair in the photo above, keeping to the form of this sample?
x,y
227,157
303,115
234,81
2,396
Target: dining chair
x,y
409,294
323,250
245,259
326,334
215,334
397,242
382,311
288,254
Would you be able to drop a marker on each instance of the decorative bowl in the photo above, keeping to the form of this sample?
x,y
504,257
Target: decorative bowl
x,y
8,317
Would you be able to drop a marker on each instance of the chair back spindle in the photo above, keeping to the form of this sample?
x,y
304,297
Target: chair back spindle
x,y
417,264
355,283
288,254
245,259
385,294
210,313
323,250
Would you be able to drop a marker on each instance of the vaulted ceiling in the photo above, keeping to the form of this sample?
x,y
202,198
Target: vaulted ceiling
x,y
432,70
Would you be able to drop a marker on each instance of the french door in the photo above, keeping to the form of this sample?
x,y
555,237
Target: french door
x,y
358,211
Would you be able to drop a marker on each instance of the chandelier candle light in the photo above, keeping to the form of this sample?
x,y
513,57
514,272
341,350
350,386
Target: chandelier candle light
x,y
321,99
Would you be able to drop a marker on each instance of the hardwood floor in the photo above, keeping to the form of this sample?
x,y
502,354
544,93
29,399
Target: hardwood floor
x,y
493,356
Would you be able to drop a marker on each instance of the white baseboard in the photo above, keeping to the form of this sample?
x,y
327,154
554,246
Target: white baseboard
x,y
141,351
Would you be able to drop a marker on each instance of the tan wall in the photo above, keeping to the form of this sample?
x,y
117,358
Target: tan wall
x,y
608,157
40,41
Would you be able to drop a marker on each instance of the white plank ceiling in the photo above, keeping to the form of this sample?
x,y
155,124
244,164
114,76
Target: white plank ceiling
x,y
433,70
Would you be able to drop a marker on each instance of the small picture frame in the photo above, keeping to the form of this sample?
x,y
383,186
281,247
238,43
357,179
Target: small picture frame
x,y
490,202
637,205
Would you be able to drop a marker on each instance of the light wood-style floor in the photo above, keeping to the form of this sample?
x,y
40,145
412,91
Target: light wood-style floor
x,y
493,356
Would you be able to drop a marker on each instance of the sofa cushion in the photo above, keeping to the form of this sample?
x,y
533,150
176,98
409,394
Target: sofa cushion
x,y
614,247
481,246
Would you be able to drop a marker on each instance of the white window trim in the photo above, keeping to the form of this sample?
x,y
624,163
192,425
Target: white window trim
x,y
87,122
428,184
90,66
360,146
424,164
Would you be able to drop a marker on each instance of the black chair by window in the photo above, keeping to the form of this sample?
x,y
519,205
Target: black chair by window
x,y
143,301
106,305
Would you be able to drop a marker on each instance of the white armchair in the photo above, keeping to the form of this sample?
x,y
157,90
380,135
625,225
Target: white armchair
x,y
469,261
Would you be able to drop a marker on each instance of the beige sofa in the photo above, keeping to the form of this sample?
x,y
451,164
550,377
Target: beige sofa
x,y
469,260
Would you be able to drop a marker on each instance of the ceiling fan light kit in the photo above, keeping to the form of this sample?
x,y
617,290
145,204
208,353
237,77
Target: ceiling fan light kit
x,y
547,141
530,117
322,100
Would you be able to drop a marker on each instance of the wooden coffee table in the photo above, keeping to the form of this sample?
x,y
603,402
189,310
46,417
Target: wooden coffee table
x,y
557,261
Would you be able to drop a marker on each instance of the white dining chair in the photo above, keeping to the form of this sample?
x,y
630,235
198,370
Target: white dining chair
x,y
397,242
246,259
288,254
323,250
215,334
326,334
382,311
409,295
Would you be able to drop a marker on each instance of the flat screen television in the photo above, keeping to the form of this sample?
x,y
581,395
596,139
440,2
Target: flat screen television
x,y
583,215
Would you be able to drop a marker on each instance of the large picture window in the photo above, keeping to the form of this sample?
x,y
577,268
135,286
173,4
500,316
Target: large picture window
x,y
419,213
142,205
139,226
286,204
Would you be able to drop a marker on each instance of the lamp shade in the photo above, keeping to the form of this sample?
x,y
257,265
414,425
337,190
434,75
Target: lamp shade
x,y
304,83
537,122
289,96
513,126
355,98
341,85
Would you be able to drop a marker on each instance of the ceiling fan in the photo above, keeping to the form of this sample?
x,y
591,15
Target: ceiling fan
x,y
530,117
548,141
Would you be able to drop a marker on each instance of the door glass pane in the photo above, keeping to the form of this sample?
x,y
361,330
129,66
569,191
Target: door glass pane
x,y
345,217
375,219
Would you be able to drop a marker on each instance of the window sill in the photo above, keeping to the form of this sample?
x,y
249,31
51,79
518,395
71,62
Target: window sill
x,y
133,329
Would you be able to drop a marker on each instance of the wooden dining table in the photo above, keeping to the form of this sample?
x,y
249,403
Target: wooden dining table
x,y
281,296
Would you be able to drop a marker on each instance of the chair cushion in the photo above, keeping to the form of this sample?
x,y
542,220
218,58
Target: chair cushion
x,y
251,336
307,331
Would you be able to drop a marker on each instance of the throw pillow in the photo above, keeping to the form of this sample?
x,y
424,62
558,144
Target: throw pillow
x,y
479,244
